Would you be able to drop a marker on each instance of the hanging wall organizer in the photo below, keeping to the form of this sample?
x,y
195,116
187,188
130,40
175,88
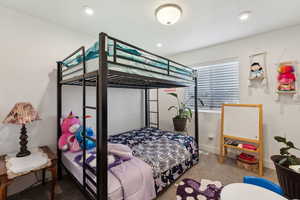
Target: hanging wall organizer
x,y
287,78
258,69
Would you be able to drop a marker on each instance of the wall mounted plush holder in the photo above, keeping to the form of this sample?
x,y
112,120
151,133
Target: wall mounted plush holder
x,y
286,79
258,69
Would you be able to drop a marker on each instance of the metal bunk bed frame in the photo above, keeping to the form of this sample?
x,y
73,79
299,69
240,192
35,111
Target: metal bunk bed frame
x,y
102,79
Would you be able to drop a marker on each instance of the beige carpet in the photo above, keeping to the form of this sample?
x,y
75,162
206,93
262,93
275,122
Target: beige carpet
x,y
209,168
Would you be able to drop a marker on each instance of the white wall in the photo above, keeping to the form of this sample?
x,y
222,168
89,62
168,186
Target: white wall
x,y
281,117
29,50
125,107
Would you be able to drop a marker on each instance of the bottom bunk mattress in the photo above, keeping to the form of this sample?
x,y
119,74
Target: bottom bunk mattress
x,y
114,187
169,154
132,179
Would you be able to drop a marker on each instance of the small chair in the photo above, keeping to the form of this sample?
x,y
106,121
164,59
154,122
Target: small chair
x,y
261,182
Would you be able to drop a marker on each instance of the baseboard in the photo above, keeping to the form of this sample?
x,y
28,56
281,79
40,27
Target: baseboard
x,y
212,149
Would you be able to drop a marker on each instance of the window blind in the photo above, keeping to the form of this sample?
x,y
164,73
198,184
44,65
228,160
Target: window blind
x,y
217,84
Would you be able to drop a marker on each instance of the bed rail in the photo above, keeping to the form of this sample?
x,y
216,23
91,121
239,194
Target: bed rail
x,y
139,60
168,61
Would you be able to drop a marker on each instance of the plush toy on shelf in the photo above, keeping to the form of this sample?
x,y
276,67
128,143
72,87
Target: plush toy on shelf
x,y
256,72
286,78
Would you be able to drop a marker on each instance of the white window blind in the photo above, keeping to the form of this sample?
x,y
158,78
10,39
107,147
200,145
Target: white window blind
x,y
217,84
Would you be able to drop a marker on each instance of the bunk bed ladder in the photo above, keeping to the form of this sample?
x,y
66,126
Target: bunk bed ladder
x,y
154,112
89,183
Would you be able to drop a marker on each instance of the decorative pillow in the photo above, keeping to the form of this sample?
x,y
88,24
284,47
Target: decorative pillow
x,y
189,189
120,150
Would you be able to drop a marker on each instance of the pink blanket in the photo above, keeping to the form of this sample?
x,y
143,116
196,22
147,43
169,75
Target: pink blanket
x,y
135,176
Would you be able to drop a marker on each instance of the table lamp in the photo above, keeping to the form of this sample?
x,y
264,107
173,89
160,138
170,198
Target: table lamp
x,y
21,114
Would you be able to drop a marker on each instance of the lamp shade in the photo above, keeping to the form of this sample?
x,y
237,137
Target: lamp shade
x,y
22,113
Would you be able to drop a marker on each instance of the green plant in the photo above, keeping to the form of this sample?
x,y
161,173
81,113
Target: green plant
x,y
183,111
289,158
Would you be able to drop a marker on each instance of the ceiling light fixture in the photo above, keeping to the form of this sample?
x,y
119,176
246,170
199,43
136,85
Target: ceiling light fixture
x,y
244,16
159,45
88,10
168,14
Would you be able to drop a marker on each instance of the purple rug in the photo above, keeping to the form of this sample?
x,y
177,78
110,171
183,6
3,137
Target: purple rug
x,y
189,189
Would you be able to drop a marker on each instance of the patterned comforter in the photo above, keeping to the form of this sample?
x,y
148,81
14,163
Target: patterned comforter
x,y
169,154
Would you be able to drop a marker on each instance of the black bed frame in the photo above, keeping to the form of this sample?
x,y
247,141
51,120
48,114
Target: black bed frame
x,y
102,79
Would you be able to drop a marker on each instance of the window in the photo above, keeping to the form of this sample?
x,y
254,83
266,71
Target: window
x,y
217,84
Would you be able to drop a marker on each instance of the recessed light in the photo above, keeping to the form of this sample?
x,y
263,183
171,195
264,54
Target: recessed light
x,y
159,45
244,16
88,10
168,14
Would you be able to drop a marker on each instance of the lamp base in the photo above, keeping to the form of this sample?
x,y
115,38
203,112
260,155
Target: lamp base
x,y
23,154
23,143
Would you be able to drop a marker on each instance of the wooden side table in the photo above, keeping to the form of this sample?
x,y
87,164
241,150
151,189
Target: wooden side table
x,y
5,181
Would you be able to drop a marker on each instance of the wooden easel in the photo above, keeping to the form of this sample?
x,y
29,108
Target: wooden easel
x,y
239,118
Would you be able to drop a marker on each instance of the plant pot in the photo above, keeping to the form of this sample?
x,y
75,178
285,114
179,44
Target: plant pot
x,y
179,124
289,180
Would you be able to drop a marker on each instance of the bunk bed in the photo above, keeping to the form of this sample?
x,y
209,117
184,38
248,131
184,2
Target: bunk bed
x,y
111,62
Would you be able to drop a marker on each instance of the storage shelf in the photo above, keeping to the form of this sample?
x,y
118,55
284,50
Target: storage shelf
x,y
242,149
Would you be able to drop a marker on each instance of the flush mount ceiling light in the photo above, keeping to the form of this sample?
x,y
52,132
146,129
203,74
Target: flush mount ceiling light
x,y
88,10
244,16
168,14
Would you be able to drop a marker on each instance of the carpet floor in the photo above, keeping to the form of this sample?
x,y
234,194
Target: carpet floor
x,y
208,168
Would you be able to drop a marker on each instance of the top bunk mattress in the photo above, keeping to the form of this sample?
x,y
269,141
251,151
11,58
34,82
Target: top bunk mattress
x,y
127,60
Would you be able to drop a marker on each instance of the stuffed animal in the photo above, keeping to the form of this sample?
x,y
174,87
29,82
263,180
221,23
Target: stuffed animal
x,y
256,71
89,144
286,78
67,140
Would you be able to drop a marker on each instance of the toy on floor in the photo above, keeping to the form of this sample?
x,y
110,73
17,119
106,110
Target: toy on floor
x,y
286,78
189,189
67,140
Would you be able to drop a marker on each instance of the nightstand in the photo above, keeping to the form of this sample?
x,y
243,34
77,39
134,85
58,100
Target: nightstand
x,y
7,173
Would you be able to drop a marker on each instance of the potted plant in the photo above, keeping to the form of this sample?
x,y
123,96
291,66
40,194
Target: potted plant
x,y
288,178
184,113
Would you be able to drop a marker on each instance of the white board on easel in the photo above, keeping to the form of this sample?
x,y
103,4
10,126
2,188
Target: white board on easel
x,y
241,121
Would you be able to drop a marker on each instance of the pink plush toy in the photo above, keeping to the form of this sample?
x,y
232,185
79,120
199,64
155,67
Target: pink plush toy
x,y
67,140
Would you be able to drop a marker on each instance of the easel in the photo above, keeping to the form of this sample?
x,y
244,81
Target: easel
x,y
239,114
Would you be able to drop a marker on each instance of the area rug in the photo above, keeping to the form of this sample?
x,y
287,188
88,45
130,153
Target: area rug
x,y
189,189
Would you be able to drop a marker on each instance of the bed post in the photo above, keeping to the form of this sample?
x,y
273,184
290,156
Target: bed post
x,y
196,108
102,120
147,108
59,98
84,118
